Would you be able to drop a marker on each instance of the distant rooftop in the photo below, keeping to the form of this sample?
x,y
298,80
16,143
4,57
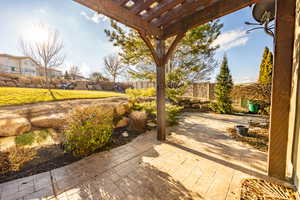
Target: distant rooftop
x,y
15,57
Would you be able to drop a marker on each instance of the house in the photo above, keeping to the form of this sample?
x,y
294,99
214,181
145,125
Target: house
x,y
53,73
17,65
24,65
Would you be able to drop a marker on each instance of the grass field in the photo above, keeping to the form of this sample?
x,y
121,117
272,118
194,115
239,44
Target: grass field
x,y
17,96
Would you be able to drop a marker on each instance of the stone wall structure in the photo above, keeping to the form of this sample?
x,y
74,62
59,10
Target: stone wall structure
x,y
14,80
15,120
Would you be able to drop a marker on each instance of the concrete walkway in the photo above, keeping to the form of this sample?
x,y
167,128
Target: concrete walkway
x,y
198,161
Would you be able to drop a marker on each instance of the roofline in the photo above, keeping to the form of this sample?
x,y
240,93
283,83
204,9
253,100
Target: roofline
x,y
12,56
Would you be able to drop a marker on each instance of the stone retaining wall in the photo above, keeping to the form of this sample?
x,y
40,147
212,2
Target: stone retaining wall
x,y
16,120
14,80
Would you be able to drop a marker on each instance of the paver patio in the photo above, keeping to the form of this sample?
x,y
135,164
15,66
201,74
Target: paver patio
x,y
198,161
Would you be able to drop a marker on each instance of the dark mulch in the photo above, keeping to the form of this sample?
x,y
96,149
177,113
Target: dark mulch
x,y
256,138
53,156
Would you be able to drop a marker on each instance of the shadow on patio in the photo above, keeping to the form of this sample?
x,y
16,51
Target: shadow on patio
x,y
197,162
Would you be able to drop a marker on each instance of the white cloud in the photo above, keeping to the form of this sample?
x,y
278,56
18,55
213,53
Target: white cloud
x,y
43,11
231,39
95,17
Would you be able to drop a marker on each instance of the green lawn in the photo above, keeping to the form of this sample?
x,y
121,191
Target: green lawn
x,y
16,96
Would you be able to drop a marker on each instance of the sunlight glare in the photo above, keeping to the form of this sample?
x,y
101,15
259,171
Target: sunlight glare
x,y
37,34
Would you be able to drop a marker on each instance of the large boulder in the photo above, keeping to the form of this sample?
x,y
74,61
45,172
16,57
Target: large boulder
x,y
55,121
12,125
137,121
121,109
123,122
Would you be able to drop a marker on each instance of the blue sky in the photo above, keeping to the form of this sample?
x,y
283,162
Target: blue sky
x,y
86,44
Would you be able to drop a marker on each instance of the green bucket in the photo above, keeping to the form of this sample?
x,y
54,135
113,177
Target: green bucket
x,y
253,108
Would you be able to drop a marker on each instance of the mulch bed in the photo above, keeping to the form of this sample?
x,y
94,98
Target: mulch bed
x,y
257,138
258,189
53,156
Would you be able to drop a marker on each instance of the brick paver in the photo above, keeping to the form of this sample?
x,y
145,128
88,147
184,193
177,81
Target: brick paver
x,y
198,161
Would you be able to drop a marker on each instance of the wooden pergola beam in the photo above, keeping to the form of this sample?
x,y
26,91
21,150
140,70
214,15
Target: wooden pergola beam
x,y
281,88
122,15
214,11
121,2
180,11
141,5
163,7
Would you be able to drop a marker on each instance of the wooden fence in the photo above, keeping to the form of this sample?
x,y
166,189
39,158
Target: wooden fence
x,y
204,91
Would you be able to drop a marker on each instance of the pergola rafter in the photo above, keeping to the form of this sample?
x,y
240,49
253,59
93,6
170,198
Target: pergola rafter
x,y
209,12
121,14
162,19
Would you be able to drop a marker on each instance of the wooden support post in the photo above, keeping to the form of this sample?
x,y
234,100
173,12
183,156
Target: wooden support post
x,y
161,57
160,90
281,88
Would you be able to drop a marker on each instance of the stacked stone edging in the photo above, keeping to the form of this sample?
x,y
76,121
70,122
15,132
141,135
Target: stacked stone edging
x,y
15,120
15,80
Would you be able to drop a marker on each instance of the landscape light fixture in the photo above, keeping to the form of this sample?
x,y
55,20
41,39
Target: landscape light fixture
x,y
263,13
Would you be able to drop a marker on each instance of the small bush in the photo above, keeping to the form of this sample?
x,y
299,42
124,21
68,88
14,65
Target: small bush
x,y
221,107
136,93
173,111
14,158
27,139
42,135
88,129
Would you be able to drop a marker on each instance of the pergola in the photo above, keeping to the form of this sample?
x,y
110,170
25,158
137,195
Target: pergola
x,y
161,19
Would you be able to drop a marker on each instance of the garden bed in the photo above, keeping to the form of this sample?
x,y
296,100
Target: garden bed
x,y
256,137
51,156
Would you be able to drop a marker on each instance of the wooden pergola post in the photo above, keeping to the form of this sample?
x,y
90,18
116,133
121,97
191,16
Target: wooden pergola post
x,y
281,88
161,58
161,90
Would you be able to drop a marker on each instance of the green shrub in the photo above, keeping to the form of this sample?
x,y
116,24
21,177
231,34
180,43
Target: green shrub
x,y
41,135
135,93
88,129
173,111
27,139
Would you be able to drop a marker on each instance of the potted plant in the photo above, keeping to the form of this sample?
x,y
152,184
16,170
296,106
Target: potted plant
x,y
253,106
242,130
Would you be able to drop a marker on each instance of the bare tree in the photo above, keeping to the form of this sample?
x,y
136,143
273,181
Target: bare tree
x,y
48,53
113,66
74,72
97,76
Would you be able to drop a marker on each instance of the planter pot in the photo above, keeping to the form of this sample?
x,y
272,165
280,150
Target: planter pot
x,y
253,108
242,130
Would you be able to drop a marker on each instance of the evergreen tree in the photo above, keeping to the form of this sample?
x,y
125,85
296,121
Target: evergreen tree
x,y
67,76
223,89
265,74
